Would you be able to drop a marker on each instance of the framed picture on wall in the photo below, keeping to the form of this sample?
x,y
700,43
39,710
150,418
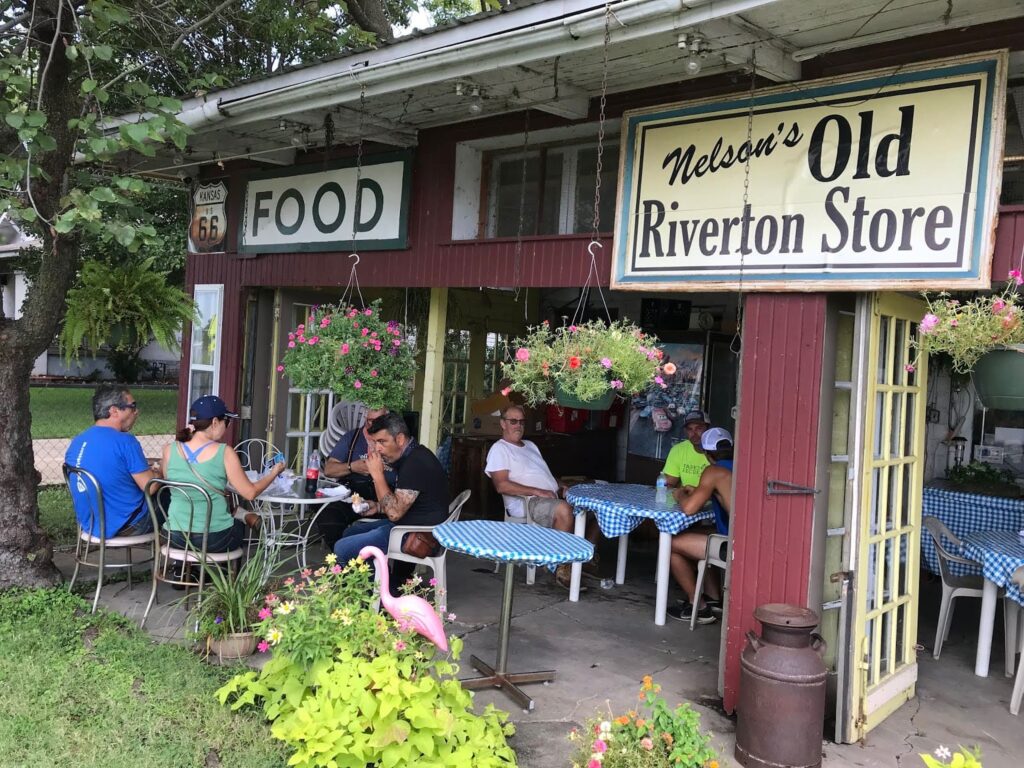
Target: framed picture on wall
x,y
656,416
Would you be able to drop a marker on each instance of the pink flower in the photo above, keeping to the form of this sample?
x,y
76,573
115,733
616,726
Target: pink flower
x,y
606,362
400,645
366,331
373,373
998,306
658,380
600,746
953,322
646,743
291,345
928,323
396,342
352,313
1015,275
594,764
263,646
367,312
280,368
357,384
522,354
432,582
451,617
265,613
615,384
301,327
313,340
572,329
335,569
909,368
669,368
326,321
344,348
291,337
505,391
289,581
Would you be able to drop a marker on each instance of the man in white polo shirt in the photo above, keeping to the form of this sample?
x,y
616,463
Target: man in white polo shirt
x,y
517,469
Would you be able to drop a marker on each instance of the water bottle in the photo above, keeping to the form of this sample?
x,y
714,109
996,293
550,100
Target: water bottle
x,y
312,473
661,490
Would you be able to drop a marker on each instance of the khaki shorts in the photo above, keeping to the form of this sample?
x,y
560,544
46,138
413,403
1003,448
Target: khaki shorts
x,y
542,511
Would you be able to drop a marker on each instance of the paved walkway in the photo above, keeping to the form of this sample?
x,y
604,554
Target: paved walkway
x,y
49,454
604,645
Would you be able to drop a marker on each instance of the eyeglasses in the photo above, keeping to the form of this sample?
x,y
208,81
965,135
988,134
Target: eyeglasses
x,y
128,406
516,422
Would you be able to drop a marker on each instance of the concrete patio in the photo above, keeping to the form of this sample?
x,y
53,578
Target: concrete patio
x,y
603,646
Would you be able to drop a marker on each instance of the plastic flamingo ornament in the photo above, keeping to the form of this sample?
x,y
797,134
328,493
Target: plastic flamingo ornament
x,y
419,614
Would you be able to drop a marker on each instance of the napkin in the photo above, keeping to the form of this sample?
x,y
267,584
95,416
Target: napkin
x,y
340,492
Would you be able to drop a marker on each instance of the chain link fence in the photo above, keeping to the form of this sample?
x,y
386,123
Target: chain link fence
x,y
49,454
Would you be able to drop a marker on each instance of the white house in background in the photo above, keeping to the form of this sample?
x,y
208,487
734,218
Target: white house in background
x,y
14,287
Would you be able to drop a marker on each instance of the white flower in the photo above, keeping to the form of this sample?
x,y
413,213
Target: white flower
x,y
606,726
943,753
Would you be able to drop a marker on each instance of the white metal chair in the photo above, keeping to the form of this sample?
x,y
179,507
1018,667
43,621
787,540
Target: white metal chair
x,y
1018,683
88,544
344,417
717,554
435,562
255,453
200,512
952,586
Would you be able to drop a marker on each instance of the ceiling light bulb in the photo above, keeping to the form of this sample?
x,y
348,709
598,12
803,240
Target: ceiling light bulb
x,y
693,65
475,108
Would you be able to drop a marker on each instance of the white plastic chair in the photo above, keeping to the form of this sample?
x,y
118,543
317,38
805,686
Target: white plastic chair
x,y
716,553
528,501
344,417
1018,683
87,544
952,586
436,563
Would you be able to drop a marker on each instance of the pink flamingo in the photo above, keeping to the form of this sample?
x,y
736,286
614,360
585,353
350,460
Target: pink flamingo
x,y
415,611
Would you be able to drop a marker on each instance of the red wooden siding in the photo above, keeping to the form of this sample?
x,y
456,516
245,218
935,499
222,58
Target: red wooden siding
x,y
777,439
1009,250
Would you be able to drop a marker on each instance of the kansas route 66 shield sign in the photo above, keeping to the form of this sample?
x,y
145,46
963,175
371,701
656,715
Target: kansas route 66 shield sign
x,y
207,229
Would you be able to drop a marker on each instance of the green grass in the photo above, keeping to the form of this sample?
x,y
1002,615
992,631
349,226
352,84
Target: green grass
x,y
66,411
82,690
57,515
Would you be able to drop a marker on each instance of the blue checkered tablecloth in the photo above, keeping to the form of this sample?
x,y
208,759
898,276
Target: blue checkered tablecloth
x,y
965,513
511,543
1000,554
621,507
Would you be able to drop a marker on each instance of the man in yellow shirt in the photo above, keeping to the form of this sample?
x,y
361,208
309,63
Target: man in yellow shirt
x,y
686,461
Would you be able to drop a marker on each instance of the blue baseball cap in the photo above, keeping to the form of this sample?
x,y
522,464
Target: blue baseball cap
x,y
210,407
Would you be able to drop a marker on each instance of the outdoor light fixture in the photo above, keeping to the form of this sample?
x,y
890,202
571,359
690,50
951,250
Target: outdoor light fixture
x,y
696,46
476,106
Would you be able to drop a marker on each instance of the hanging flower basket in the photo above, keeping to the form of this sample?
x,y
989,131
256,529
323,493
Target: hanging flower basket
x,y
583,366
353,352
999,378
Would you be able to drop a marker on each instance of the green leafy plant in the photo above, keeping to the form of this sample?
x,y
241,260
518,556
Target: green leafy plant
x,y
966,330
352,352
946,758
585,361
231,602
347,686
123,306
978,472
654,737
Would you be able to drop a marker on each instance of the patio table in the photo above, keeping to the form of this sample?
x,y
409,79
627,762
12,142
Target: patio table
x,y
965,513
510,544
1000,554
274,509
621,507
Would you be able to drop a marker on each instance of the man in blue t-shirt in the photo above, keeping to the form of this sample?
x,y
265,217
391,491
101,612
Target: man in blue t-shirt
x,y
114,457
690,546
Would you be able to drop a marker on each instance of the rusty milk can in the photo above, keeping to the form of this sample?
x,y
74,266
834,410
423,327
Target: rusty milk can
x,y
781,710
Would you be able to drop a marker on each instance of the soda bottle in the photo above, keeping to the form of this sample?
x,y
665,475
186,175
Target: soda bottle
x,y
312,473
661,490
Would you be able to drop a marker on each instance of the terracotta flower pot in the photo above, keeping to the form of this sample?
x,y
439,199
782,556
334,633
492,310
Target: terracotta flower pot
x,y
999,378
235,645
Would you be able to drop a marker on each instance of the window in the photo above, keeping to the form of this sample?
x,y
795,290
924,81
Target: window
x,y
204,360
495,352
455,390
1013,152
558,195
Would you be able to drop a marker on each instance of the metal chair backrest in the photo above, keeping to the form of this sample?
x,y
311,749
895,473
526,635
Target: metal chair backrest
x,y
91,495
255,453
200,508
938,530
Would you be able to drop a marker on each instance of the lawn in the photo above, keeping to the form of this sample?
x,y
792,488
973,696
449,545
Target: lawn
x,y
66,411
57,515
83,690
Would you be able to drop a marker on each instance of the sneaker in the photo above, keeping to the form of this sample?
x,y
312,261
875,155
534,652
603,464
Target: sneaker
x,y
714,605
683,613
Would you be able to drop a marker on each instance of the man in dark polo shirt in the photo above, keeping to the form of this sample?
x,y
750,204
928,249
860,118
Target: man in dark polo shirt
x,y
420,495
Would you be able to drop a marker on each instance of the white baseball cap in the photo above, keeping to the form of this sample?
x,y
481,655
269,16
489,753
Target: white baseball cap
x,y
711,440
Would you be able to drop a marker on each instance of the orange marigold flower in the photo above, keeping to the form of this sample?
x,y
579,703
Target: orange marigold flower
x,y
640,722
648,682
621,720
668,738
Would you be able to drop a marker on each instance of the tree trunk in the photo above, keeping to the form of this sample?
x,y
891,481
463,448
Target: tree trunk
x,y
26,557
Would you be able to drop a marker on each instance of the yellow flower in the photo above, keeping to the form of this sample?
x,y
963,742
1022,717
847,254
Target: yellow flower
x,y
331,559
274,636
713,764
648,683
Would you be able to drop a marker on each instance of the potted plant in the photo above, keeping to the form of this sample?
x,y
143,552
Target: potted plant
x,y
983,337
353,352
653,736
226,617
347,685
584,365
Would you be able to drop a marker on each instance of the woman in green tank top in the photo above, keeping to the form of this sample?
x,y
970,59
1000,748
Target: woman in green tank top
x,y
199,457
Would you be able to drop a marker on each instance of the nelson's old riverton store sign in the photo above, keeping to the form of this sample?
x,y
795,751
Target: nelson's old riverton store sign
x,y
889,179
